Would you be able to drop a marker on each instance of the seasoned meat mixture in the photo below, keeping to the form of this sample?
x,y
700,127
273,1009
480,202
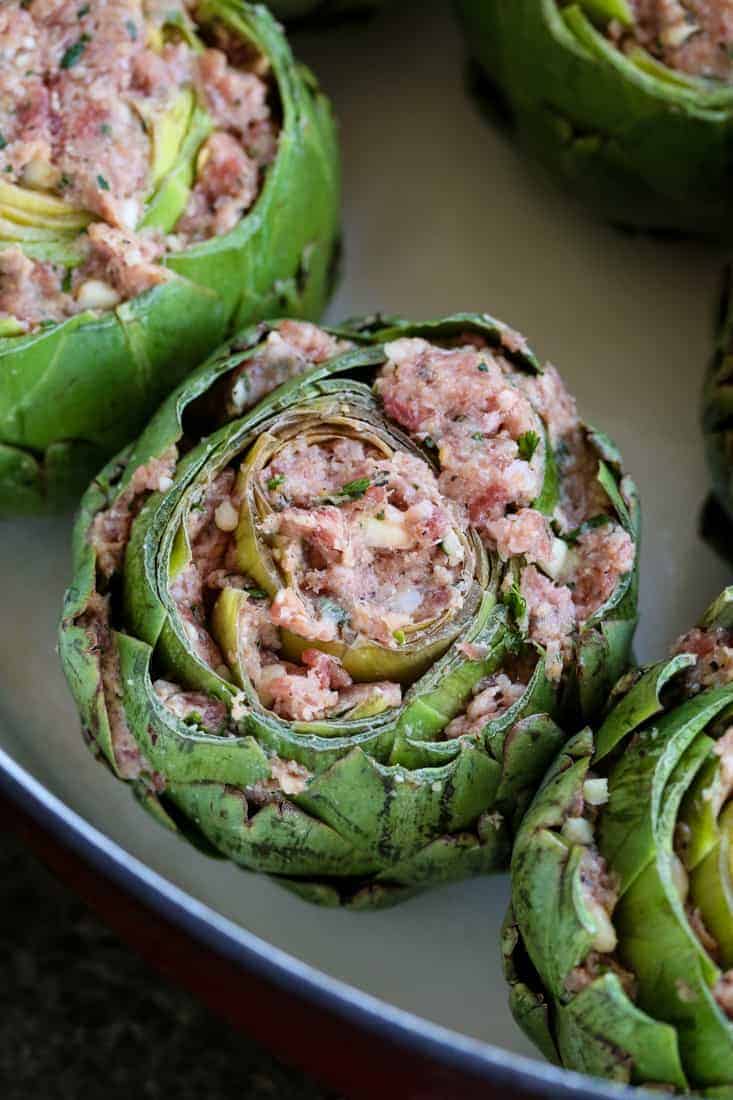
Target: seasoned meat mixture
x,y
692,36
99,103
481,418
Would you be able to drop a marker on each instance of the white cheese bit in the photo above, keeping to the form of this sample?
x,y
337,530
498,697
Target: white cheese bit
x,y
557,560
389,533
406,601
95,294
291,777
240,393
164,484
226,517
595,791
128,212
577,830
452,548
39,175
675,36
604,939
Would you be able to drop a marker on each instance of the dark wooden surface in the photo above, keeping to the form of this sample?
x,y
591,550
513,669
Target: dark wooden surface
x,y
82,1016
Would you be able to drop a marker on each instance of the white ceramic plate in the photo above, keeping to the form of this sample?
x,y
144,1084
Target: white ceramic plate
x,y
441,214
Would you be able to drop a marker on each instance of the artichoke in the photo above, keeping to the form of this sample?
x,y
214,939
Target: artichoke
x,y
619,942
322,614
629,103
75,389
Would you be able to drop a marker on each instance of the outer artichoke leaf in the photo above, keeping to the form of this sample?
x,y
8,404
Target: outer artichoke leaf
x,y
279,839
558,933
452,858
669,966
559,788
529,747
395,812
711,890
720,612
527,1003
641,703
182,752
370,897
601,1032
639,779
82,669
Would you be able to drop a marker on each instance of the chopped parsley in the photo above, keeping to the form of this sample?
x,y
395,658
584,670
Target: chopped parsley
x,y
430,443
276,481
484,368
380,514
478,436
8,168
516,603
399,636
64,181
357,488
131,29
256,593
102,183
105,129
74,53
3,142
83,10
528,443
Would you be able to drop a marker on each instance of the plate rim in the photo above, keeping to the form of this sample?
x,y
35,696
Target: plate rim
x,y
469,1058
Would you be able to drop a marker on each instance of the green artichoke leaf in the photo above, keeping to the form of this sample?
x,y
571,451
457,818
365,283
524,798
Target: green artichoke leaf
x,y
639,780
642,702
641,144
601,1032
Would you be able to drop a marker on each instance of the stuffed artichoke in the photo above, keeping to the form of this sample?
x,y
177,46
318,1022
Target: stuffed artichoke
x,y
168,173
619,945
329,607
628,102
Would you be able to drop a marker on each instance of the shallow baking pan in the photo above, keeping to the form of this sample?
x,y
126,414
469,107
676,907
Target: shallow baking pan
x,y
441,214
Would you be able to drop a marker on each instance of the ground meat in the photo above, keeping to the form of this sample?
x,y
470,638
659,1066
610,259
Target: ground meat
x,y
192,707
124,261
461,401
373,561
31,291
110,529
692,36
551,615
82,87
603,555
237,101
487,420
714,652
291,349
492,697
525,532
594,966
227,183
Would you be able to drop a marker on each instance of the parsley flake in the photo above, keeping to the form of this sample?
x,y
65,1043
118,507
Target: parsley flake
x,y
102,183
484,368
276,481
528,443
74,53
